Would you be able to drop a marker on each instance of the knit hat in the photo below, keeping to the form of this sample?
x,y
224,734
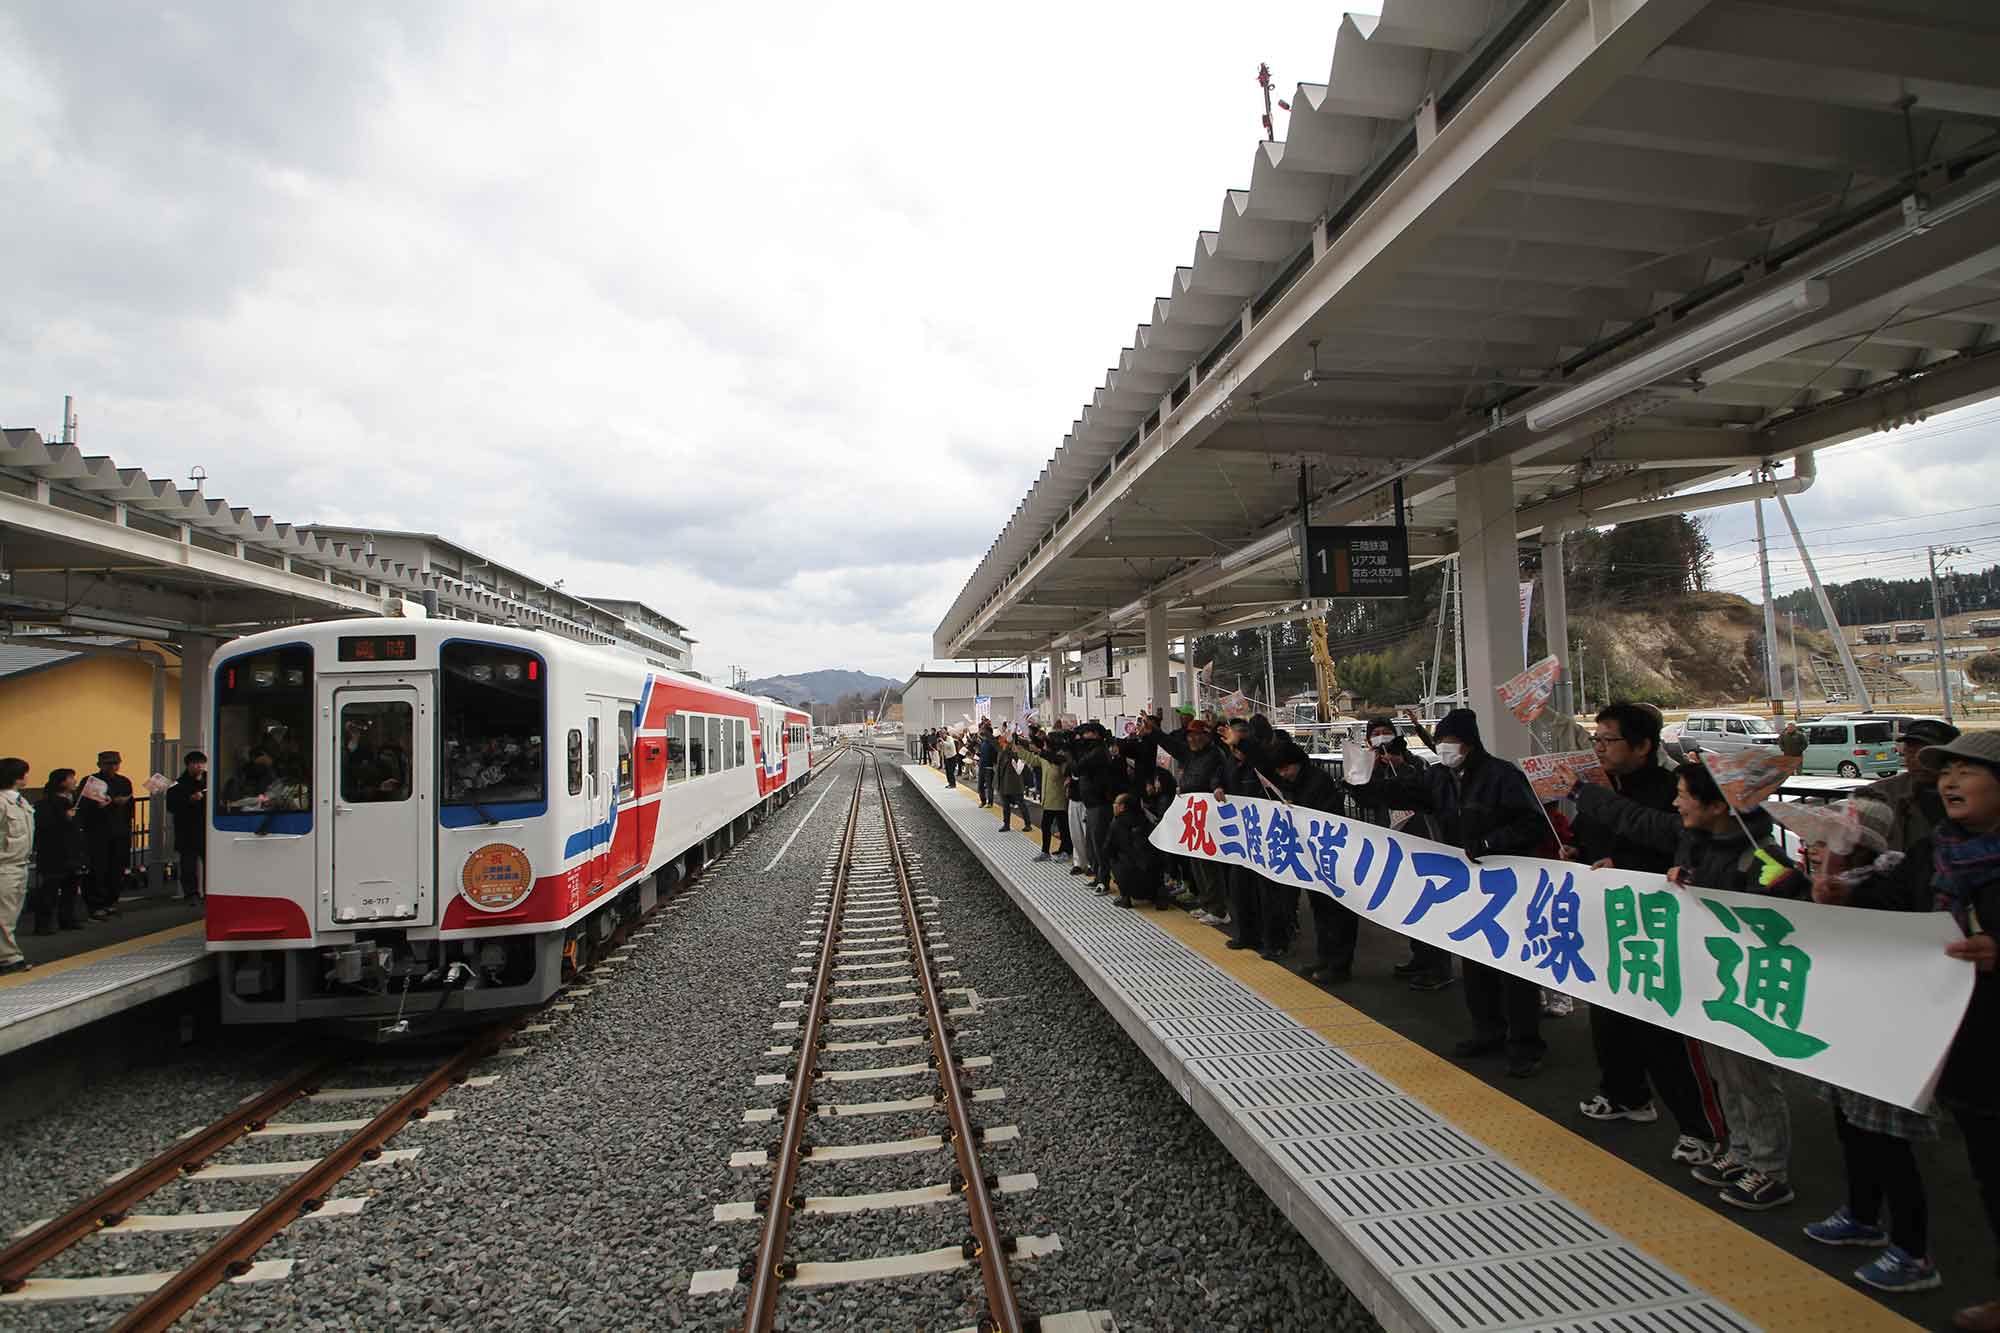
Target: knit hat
x,y
1979,746
1285,753
1878,821
1460,724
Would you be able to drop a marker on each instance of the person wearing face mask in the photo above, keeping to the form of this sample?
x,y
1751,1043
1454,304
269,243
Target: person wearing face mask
x,y
1483,805
1428,967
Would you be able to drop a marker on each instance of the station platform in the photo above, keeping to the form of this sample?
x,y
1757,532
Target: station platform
x,y
65,994
1440,1200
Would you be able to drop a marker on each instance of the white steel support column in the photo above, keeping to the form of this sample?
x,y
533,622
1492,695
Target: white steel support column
x,y
1555,612
1058,689
1490,572
197,651
1773,688
1157,672
1189,698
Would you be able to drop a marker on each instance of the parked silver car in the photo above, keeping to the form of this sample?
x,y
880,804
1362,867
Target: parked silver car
x,y
1727,733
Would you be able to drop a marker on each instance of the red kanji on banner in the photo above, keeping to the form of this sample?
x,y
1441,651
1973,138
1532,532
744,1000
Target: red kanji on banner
x,y
1194,828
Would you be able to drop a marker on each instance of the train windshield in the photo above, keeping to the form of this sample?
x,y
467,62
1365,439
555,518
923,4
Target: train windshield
x,y
491,713
263,738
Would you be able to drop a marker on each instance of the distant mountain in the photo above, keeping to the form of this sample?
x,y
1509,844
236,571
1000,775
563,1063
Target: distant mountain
x,y
823,687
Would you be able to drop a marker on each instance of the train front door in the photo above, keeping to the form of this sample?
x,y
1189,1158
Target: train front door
x,y
383,823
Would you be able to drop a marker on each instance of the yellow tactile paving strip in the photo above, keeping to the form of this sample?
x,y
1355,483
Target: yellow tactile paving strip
x,y
62,965
1758,1280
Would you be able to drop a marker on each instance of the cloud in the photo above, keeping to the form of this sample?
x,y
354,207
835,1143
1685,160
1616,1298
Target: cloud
x,y
766,315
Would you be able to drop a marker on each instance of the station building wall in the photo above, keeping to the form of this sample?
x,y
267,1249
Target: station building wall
x,y
61,715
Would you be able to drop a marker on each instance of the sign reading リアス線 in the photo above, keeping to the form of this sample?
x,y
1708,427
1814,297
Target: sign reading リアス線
x,y
1864,1000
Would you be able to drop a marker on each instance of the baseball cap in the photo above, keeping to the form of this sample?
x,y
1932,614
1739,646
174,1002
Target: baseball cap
x,y
1929,731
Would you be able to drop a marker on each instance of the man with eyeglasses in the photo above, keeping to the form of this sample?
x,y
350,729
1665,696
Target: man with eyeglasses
x,y
1631,1052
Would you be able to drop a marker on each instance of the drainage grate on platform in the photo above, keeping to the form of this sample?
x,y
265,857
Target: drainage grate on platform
x,y
1359,1116
1532,1293
1497,1231
1425,1188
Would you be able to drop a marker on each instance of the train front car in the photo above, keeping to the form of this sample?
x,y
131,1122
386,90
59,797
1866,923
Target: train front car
x,y
381,847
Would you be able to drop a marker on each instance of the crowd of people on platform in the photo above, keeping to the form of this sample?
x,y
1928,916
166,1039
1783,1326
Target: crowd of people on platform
x,y
65,860
1929,841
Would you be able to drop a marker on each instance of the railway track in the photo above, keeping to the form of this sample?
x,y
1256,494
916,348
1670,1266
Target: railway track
x,y
231,1149
876,1008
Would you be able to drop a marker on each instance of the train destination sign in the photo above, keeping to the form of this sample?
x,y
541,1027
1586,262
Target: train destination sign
x,y
1357,561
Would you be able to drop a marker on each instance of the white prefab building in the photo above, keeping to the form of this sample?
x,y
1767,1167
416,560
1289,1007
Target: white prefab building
x,y
1126,692
949,697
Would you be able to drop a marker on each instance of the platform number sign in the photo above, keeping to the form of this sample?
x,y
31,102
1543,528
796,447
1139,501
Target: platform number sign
x,y
1357,561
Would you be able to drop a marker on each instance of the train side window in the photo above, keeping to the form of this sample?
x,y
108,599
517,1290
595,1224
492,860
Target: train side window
x,y
624,753
590,756
715,760
742,742
697,746
575,762
677,752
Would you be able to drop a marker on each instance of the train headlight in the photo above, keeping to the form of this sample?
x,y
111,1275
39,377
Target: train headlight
x,y
497,877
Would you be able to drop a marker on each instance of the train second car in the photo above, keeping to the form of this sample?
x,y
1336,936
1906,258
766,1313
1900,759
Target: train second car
x,y
412,820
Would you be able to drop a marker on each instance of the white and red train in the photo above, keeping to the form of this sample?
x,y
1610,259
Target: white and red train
x,y
420,818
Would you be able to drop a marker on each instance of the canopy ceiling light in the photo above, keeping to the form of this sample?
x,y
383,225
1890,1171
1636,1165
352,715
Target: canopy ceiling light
x,y
1681,352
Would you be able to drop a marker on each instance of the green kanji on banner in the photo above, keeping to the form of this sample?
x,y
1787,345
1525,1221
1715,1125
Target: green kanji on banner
x,y
1643,934
1776,985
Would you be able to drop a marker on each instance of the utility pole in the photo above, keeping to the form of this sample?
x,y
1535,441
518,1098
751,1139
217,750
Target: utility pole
x,y
1798,684
1582,680
1937,623
1270,674
1773,690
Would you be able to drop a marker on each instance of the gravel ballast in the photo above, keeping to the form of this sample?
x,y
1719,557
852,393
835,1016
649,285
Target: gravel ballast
x,y
578,1190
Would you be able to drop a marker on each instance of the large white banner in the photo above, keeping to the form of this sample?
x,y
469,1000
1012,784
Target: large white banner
x,y
1865,1000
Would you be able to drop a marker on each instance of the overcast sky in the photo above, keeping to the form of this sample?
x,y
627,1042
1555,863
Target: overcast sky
x,y
766,315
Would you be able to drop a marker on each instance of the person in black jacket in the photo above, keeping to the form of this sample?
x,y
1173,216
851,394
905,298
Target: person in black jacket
x,y
1201,761
1428,967
1877,1138
1246,887
1100,775
107,829
1482,805
1966,878
187,802
1128,846
1306,786
1631,1051
59,855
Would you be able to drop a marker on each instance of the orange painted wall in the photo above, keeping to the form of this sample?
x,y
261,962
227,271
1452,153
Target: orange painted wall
x,y
61,716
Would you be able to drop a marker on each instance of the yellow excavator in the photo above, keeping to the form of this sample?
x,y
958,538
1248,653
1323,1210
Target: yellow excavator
x,y
1323,673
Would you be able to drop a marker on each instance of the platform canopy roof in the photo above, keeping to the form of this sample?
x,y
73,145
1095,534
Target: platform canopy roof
x,y
1629,246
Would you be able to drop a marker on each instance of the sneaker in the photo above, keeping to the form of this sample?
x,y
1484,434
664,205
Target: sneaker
x,y
1756,1191
1121,901
1273,953
18,965
1842,1229
1041,856
1240,944
1432,981
1557,1005
1896,1269
1695,1152
1719,1172
1602,1107
1078,870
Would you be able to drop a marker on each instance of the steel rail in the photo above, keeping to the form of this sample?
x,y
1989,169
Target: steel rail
x,y
107,1207
231,1255
990,1246
769,1269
